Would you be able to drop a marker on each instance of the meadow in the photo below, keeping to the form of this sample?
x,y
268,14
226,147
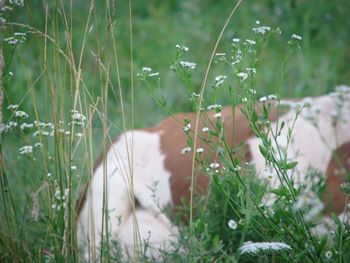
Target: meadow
x,y
77,73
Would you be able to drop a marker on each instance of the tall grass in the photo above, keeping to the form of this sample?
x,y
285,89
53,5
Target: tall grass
x,y
71,75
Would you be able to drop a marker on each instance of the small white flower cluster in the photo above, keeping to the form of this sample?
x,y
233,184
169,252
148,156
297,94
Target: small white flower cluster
x,y
258,247
221,57
200,150
18,38
17,2
262,30
77,118
268,98
147,73
217,115
295,40
189,149
8,126
12,107
182,48
187,128
250,42
296,37
60,199
25,125
235,40
205,129
186,150
214,165
242,76
219,81
194,96
232,224
217,107
187,65
21,114
26,150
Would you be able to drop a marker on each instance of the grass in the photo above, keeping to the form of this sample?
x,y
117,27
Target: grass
x,y
77,58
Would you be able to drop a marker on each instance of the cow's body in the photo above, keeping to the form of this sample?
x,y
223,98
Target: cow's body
x,y
161,172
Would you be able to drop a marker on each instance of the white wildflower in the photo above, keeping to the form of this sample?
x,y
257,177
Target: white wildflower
x,y
214,107
38,145
79,134
237,168
187,65
271,97
219,80
77,116
252,91
194,96
187,128
329,254
251,70
186,150
28,149
182,47
242,75
261,30
21,114
26,125
146,69
232,224
205,129
220,54
154,74
73,167
296,37
263,99
254,248
236,40
244,99
250,42
12,106
200,150
12,124
217,115
235,62
214,165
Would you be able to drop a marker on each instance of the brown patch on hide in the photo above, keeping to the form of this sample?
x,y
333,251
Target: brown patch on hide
x,y
173,140
337,173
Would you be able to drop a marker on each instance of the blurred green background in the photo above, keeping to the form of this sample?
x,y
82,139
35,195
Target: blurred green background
x,y
159,25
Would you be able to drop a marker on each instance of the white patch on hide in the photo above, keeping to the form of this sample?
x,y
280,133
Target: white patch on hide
x,y
151,189
311,146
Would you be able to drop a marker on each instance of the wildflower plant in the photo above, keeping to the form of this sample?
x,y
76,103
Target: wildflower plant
x,y
235,193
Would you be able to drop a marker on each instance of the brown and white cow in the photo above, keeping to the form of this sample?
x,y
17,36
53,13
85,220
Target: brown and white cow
x,y
161,171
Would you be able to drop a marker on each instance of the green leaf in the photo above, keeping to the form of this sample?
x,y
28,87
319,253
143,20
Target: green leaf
x,y
291,165
263,150
281,191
